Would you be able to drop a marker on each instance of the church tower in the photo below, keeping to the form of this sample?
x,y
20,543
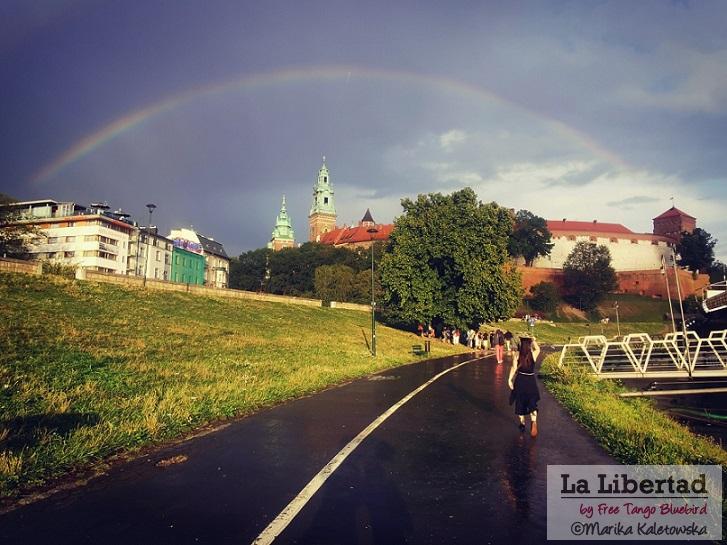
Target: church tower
x,y
322,218
283,235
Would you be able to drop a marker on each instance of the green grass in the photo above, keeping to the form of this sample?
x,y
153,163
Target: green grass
x,y
91,370
632,430
632,308
563,332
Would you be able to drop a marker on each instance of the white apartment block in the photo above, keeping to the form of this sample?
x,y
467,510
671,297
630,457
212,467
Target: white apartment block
x,y
77,236
150,254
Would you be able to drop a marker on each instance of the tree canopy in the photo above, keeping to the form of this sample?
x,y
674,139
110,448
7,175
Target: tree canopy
x,y
530,237
14,234
588,275
545,297
447,262
292,271
696,250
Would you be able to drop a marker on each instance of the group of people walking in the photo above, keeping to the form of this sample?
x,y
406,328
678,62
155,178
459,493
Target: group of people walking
x,y
524,393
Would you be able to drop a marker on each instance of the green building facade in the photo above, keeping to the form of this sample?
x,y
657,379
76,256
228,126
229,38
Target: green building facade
x,y
187,267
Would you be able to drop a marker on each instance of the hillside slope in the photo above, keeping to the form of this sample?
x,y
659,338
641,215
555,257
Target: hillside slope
x,y
89,370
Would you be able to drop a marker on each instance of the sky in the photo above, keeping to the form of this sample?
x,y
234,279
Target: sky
x,y
213,110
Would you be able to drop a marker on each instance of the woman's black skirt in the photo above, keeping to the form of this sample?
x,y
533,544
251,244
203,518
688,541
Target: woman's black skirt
x,y
526,394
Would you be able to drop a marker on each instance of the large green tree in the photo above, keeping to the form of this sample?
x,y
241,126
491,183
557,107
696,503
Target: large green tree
x,y
588,275
447,262
696,250
530,237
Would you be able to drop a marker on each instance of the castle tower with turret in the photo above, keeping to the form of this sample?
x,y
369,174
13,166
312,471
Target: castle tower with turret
x,y
283,235
322,218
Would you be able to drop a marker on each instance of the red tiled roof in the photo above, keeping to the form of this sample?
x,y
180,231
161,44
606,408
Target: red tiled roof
x,y
351,235
587,227
673,212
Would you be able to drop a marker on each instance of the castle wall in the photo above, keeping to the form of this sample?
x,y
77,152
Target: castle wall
x,y
627,253
645,282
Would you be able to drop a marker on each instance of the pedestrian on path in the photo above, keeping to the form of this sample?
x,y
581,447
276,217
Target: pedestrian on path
x,y
499,346
508,341
524,388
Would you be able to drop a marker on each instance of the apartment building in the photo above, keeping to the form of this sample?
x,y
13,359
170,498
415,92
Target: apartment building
x,y
89,238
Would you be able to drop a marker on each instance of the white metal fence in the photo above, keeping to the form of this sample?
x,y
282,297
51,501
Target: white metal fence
x,y
638,355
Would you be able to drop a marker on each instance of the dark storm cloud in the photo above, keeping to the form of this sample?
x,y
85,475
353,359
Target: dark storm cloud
x,y
592,96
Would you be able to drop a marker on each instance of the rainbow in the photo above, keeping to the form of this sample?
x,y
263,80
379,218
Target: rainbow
x,y
134,119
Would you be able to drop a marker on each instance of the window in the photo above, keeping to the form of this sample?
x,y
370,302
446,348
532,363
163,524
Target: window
x,y
571,237
634,241
614,241
52,240
70,239
90,238
159,255
325,179
325,200
592,239
69,254
654,242
90,253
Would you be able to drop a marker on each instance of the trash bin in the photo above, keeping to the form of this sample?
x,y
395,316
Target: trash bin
x,y
427,346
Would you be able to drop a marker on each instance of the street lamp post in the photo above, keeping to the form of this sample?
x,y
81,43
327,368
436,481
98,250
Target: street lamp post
x,y
372,231
151,207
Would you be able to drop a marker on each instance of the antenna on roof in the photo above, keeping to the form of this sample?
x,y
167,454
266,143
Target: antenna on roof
x,y
672,201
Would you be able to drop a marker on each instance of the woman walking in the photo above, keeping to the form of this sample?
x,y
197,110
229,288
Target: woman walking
x,y
522,382
499,346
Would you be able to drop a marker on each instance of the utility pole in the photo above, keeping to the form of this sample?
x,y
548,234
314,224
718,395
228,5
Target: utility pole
x,y
372,231
151,207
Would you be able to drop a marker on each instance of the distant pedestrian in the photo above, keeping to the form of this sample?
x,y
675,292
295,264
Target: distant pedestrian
x,y
455,336
478,341
491,339
471,338
499,346
508,341
523,386
531,325
431,331
420,330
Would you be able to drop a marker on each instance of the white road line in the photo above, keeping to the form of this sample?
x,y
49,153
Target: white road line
x,y
286,516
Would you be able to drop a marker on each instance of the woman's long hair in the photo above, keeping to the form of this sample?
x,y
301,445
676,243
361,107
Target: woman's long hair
x,y
525,362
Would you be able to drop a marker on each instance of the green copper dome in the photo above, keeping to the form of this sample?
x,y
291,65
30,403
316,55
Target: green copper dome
x,y
283,229
323,193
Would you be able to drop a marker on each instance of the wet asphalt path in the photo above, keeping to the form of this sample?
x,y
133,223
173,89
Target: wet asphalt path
x,y
449,466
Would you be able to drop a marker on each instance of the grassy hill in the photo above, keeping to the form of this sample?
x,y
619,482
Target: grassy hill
x,y
90,370
632,308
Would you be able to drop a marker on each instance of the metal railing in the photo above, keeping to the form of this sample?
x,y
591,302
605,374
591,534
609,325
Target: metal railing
x,y
638,355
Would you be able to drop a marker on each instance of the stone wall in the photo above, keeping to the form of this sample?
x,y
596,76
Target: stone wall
x,y
649,283
20,266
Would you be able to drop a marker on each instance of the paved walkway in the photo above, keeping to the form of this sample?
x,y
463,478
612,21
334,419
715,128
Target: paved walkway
x,y
449,466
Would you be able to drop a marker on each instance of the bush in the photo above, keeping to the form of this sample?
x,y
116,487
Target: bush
x,y
545,297
59,269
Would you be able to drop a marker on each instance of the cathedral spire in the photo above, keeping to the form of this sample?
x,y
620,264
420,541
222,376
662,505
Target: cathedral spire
x,y
322,217
283,235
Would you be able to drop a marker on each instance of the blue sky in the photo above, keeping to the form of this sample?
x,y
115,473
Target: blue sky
x,y
213,110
